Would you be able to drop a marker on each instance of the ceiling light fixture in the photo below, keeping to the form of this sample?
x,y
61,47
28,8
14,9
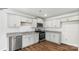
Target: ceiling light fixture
x,y
45,15
41,11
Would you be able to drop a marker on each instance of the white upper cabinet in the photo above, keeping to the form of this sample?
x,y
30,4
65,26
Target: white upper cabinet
x,y
48,23
56,23
17,21
52,23
71,18
34,23
13,20
24,19
39,20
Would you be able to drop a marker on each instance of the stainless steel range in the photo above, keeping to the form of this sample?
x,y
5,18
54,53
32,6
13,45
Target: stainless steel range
x,y
41,35
41,31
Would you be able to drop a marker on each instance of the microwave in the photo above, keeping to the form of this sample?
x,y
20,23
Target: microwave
x,y
39,25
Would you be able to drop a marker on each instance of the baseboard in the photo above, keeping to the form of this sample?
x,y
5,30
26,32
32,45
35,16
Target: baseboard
x,y
70,44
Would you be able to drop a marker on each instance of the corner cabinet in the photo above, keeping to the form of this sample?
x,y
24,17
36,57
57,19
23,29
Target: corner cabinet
x,y
53,37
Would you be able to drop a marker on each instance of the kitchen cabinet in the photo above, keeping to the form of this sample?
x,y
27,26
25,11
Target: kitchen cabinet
x,y
73,18
48,23
36,37
34,23
39,20
24,19
29,39
56,23
69,19
48,36
25,41
17,21
13,20
33,38
53,23
53,37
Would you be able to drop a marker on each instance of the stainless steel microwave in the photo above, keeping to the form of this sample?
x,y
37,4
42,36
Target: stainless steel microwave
x,y
39,25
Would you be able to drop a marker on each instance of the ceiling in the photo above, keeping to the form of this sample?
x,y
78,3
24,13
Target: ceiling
x,y
45,12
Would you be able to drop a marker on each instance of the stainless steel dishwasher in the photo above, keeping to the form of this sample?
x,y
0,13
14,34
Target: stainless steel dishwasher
x,y
15,42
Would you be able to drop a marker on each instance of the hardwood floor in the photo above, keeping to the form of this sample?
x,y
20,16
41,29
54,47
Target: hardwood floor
x,y
48,46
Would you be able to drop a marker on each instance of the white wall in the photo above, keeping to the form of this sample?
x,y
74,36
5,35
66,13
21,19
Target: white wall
x,y
70,33
3,39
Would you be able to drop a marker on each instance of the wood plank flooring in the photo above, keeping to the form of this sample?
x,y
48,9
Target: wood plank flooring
x,y
49,46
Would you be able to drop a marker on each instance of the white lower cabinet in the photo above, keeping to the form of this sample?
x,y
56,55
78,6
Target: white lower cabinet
x,y
53,37
29,39
36,38
25,41
48,37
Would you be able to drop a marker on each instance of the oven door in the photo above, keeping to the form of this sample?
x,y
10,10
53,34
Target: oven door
x,y
41,36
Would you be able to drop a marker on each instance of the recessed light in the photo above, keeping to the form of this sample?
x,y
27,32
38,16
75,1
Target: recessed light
x,y
45,15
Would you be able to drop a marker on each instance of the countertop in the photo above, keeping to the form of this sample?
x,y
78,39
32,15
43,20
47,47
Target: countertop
x,y
20,33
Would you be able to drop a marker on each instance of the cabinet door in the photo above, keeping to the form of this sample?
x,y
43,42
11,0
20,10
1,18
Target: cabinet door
x,y
56,23
34,23
55,37
36,37
48,36
24,19
31,39
73,18
48,23
39,20
25,41
13,20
